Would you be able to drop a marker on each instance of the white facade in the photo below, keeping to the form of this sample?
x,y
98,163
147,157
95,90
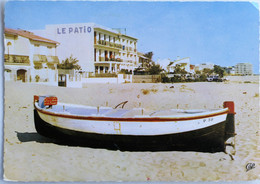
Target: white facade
x,y
98,49
244,69
184,63
28,55
200,67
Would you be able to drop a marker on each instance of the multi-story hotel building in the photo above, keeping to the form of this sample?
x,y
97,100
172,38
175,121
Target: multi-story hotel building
x,y
98,49
27,55
244,69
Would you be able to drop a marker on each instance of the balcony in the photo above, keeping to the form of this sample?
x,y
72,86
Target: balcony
x,y
16,59
101,58
37,58
130,49
119,60
53,59
109,44
109,59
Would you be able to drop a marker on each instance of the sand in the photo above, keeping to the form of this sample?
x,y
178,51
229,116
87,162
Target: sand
x,y
30,157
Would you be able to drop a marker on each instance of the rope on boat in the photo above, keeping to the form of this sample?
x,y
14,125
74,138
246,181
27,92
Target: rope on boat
x,y
122,103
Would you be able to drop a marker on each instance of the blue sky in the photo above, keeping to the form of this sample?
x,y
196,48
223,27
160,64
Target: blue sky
x,y
224,33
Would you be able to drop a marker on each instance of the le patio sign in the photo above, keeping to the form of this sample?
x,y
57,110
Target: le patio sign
x,y
74,30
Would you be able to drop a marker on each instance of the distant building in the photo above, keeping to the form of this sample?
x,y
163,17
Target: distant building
x,y
99,49
192,68
200,67
143,61
230,70
184,63
244,69
28,56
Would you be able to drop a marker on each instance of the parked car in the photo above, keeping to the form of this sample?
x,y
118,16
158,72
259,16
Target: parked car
x,y
190,78
210,78
214,79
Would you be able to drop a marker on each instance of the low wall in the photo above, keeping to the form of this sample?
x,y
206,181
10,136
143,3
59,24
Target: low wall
x,y
45,75
146,78
101,80
121,78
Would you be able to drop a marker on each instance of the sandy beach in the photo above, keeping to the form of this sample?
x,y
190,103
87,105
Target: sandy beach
x,y
31,157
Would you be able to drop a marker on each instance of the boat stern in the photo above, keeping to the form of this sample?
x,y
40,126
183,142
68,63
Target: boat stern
x,y
230,121
45,100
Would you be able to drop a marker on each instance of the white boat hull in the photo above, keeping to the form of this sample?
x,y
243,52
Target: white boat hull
x,y
134,130
144,128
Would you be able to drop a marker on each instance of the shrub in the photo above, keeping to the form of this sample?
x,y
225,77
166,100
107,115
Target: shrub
x,y
203,77
176,78
165,79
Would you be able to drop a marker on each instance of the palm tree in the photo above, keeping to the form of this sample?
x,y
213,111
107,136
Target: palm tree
x,y
149,55
69,63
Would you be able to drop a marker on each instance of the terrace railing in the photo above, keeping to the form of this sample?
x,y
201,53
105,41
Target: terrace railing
x,y
16,59
109,44
37,58
53,59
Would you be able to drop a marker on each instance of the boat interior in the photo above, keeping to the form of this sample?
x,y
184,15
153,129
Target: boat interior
x,y
79,110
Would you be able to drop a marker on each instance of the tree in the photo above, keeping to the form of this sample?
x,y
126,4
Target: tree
x,y
149,55
69,63
207,71
148,63
219,70
155,69
179,70
198,72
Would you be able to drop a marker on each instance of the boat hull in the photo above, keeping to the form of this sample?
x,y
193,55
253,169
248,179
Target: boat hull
x,y
208,139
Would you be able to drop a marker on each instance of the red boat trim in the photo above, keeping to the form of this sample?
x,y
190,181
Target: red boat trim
x,y
154,119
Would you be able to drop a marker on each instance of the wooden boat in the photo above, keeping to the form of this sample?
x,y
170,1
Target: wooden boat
x,y
135,129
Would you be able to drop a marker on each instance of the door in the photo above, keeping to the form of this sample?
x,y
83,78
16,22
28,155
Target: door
x,y
62,80
21,75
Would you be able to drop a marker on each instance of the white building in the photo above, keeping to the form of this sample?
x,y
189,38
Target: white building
x,y
184,63
98,49
230,70
244,69
29,57
200,67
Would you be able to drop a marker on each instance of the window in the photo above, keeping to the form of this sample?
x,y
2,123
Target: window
x,y
95,37
95,56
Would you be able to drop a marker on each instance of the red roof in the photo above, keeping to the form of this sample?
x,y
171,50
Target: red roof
x,y
28,34
192,67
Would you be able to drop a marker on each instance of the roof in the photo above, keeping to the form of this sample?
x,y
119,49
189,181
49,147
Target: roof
x,y
113,30
129,37
28,34
178,61
143,57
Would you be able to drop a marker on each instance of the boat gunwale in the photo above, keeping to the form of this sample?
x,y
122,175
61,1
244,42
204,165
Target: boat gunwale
x,y
138,119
